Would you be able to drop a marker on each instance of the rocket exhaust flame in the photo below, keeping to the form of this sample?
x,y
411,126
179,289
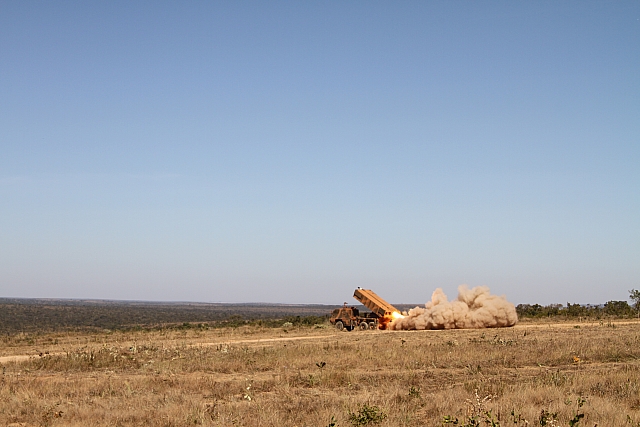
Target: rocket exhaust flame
x,y
384,321
474,308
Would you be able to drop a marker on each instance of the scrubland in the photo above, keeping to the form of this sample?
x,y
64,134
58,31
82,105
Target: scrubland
x,y
532,374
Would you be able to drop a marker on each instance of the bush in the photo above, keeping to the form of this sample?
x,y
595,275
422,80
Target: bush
x,y
367,415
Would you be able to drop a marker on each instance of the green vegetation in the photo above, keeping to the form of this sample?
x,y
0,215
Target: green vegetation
x,y
21,315
367,415
634,295
612,309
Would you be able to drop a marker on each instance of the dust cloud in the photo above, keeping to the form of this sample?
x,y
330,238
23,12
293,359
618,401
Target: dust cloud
x,y
474,308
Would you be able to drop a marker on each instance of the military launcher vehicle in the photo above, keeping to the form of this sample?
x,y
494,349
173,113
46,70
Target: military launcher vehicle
x,y
350,318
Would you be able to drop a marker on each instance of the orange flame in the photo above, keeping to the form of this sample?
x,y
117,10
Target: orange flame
x,y
384,321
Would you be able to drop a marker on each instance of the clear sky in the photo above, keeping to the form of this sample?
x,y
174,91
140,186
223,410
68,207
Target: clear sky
x,y
289,152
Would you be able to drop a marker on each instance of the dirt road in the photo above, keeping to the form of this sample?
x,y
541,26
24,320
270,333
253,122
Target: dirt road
x,y
335,335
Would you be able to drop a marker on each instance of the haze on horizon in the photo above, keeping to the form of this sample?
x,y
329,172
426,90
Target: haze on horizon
x,y
289,152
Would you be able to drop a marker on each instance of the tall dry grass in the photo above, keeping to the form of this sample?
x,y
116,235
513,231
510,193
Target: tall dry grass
x,y
228,377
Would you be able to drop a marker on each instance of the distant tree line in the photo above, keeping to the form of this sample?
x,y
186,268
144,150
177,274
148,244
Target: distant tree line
x,y
621,309
48,316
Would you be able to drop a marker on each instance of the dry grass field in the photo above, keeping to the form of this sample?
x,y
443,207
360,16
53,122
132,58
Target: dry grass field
x,y
580,374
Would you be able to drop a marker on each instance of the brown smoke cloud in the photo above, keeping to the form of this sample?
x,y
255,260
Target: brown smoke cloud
x,y
474,308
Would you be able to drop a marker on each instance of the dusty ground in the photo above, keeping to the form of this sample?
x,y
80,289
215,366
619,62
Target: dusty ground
x,y
309,376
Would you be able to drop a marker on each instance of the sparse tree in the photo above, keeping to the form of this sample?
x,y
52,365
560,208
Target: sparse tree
x,y
634,295
618,308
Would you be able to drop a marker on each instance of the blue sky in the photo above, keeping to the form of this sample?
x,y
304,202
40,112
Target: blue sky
x,y
291,151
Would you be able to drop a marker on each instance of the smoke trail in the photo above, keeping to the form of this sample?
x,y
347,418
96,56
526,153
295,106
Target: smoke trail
x,y
474,308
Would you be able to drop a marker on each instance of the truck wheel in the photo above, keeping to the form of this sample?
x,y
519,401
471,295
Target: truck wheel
x,y
339,325
372,326
364,326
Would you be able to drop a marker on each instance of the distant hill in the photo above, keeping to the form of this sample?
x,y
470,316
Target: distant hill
x,y
33,315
